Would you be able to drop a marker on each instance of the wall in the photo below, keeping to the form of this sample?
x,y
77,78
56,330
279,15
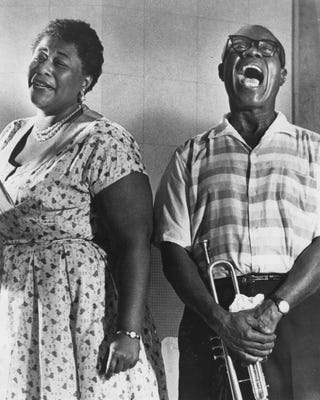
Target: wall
x,y
307,55
159,80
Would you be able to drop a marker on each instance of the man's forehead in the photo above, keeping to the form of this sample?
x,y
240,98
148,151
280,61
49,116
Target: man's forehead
x,y
256,32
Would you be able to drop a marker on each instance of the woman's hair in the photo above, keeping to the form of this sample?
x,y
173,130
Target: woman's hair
x,y
85,39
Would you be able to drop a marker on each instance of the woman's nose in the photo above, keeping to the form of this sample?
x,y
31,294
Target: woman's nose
x,y
45,66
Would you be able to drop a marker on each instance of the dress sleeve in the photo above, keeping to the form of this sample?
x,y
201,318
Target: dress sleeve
x,y
172,217
114,154
10,130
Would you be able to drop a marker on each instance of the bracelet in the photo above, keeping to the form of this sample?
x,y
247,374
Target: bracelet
x,y
130,334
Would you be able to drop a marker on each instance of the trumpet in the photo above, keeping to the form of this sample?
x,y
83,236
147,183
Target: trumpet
x,y
256,375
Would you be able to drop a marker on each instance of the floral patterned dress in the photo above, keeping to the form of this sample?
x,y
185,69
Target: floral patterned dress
x,y
58,299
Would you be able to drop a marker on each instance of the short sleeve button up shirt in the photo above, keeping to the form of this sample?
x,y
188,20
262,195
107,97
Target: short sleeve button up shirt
x,y
259,208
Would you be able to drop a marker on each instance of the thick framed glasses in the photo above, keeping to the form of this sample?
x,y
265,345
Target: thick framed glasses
x,y
267,47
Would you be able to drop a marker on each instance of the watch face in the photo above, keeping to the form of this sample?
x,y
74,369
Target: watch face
x,y
283,307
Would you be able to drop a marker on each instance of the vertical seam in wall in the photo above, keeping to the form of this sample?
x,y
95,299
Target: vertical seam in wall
x,y
103,75
144,74
295,61
197,67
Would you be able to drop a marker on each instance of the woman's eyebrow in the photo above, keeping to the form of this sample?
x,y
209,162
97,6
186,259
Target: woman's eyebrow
x,y
61,53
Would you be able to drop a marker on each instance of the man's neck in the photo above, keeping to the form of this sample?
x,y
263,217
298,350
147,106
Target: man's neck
x,y
252,124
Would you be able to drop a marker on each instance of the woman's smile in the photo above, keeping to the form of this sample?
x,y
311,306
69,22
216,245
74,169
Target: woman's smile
x,y
55,75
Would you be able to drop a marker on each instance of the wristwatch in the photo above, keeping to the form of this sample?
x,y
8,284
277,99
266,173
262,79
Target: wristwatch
x,y
282,305
130,334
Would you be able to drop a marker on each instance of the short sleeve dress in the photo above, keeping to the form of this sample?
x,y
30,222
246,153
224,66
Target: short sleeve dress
x,y
58,299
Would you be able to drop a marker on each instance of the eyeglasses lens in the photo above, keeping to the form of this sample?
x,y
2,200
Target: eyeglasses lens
x,y
242,43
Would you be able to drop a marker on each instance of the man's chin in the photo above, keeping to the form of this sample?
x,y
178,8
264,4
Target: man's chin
x,y
250,95
250,101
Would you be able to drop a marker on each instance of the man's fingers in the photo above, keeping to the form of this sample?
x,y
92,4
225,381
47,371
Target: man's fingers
x,y
259,337
251,351
263,326
248,358
258,345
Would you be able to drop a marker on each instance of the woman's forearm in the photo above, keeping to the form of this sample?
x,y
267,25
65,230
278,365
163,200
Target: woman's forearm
x,y
134,268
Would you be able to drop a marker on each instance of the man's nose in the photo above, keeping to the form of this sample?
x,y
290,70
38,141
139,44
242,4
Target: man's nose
x,y
252,51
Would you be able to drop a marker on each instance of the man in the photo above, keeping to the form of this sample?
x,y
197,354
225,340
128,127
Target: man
x,y
251,187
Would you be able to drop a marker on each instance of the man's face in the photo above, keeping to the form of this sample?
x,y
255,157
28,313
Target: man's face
x,y
252,79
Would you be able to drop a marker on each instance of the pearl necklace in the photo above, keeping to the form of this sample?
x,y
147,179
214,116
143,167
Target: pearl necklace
x,y
52,130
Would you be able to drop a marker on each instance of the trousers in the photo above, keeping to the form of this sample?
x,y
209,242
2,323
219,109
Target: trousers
x,y
292,370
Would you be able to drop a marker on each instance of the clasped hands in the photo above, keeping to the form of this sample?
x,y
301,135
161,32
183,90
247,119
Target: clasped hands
x,y
249,334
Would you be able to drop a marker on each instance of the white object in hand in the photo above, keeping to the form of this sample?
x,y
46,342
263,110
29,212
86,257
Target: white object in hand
x,y
243,302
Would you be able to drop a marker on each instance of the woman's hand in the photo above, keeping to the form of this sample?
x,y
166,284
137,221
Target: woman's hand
x,y
123,353
126,209
242,334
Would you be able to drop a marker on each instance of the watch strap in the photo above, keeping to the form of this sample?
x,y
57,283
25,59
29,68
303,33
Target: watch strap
x,y
277,300
130,334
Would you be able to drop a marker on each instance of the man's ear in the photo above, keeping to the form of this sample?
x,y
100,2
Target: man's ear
x,y
220,69
283,76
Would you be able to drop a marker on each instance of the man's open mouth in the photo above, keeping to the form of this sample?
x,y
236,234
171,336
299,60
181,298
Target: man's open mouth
x,y
251,76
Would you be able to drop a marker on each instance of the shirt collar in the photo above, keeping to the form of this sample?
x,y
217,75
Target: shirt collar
x,y
280,124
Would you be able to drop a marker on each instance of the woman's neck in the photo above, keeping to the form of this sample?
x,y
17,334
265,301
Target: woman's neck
x,y
45,118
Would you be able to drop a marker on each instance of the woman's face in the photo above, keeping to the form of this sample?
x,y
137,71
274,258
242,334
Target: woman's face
x,y
55,76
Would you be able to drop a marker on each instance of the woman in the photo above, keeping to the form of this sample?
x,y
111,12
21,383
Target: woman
x,y
73,176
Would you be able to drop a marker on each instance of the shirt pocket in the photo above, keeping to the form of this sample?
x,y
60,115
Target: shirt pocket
x,y
298,191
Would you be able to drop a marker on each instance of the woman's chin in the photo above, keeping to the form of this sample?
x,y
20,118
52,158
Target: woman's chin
x,y
41,103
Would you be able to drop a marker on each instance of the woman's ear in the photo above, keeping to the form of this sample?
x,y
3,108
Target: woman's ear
x,y
86,83
220,70
283,76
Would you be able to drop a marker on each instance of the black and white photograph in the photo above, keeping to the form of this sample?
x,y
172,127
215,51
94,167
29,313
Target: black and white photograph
x,y
159,200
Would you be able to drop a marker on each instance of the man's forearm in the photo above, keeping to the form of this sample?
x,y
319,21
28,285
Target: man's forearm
x,y
182,273
238,330
304,277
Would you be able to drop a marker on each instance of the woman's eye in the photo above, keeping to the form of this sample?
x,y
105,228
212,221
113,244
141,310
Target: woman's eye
x,y
39,57
60,63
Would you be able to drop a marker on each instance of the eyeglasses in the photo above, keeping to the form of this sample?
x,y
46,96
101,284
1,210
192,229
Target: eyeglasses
x,y
267,47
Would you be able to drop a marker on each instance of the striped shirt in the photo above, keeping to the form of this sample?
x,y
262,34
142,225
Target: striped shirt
x,y
258,208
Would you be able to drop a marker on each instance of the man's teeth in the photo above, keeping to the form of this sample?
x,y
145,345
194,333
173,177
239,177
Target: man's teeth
x,y
251,76
250,82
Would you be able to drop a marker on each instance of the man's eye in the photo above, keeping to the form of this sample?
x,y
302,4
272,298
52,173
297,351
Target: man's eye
x,y
240,46
266,47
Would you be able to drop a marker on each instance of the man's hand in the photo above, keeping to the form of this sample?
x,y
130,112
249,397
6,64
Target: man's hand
x,y
268,316
241,331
